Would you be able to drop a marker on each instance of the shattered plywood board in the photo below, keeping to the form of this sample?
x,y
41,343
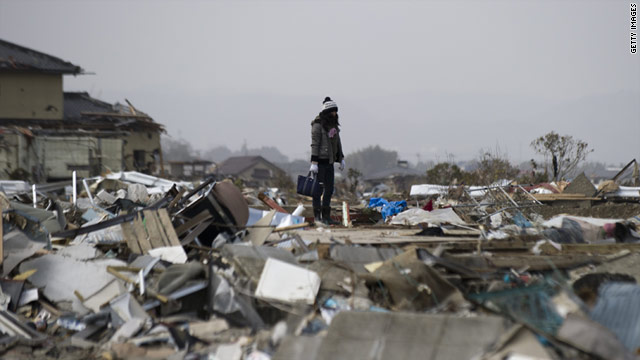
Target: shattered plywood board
x,y
412,285
374,335
60,276
358,257
250,260
17,247
154,231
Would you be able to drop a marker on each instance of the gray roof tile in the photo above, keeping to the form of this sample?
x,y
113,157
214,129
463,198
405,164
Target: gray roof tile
x,y
16,58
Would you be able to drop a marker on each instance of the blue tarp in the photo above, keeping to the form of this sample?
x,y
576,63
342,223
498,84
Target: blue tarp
x,y
521,221
388,208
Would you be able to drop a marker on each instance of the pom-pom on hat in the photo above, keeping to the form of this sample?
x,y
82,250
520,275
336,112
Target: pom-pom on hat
x,y
329,105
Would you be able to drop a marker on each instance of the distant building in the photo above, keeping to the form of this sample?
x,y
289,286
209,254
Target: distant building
x,y
46,133
187,170
397,179
253,170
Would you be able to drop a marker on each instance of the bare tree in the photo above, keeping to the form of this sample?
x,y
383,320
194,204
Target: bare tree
x,y
493,166
566,153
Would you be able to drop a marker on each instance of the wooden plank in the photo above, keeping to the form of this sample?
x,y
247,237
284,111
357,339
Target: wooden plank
x,y
162,234
600,249
182,229
176,199
113,270
561,196
153,229
291,227
170,232
271,203
130,237
141,234
460,232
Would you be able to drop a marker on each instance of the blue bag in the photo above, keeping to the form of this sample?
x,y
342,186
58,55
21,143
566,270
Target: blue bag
x,y
308,185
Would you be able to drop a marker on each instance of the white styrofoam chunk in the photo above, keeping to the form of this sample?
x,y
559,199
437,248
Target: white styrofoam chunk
x,y
287,283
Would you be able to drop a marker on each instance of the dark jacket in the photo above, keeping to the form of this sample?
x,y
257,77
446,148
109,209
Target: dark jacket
x,y
325,149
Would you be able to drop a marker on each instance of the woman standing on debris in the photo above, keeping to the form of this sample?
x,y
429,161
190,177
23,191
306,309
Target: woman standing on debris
x,y
326,149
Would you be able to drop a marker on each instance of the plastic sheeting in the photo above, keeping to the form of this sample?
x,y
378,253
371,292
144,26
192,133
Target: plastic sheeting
x,y
436,217
280,219
557,220
389,208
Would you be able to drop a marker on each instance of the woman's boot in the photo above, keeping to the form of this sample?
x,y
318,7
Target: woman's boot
x,y
317,215
326,216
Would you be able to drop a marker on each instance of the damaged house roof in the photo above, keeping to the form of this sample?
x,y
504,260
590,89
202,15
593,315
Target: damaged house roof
x,y
83,112
80,104
237,164
16,58
77,103
86,111
393,172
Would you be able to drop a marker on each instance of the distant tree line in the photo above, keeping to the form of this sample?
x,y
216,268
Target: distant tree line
x,y
562,158
181,150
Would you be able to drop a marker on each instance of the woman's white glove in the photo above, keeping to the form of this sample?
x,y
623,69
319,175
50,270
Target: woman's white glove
x,y
341,167
314,168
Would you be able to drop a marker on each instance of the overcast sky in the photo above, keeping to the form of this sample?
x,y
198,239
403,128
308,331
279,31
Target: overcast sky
x,y
425,78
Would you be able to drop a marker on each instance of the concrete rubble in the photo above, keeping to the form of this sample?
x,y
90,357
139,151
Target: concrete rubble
x,y
133,266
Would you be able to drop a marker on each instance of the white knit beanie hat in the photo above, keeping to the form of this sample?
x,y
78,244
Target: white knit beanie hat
x,y
328,104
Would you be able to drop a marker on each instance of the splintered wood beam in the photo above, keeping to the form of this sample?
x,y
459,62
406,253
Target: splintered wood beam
x,y
271,203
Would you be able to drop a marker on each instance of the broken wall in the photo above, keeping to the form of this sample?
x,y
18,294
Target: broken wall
x,y
59,156
31,96
139,148
12,153
54,157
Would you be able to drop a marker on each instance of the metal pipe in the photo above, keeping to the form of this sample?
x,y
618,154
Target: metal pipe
x,y
86,188
75,191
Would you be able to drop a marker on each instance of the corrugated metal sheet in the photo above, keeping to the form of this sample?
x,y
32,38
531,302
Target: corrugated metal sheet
x,y
12,187
618,308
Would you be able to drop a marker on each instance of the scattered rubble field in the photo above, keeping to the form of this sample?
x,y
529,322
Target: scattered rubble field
x,y
131,266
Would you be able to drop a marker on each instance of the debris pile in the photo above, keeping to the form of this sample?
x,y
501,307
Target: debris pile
x,y
133,266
